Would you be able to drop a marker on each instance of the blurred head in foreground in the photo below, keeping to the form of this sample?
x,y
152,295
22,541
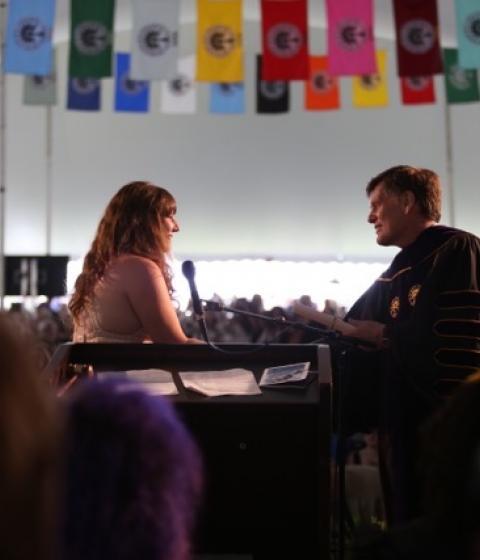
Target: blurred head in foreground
x,y
134,476
29,444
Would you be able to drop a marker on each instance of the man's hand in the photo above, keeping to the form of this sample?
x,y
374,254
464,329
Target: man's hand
x,y
370,331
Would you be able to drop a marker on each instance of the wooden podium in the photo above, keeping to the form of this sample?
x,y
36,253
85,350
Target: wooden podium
x,y
267,457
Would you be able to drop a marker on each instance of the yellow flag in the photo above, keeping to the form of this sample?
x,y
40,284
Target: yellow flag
x,y
219,41
372,90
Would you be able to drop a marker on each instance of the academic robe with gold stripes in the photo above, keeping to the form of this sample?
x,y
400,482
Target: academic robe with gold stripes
x,y
429,300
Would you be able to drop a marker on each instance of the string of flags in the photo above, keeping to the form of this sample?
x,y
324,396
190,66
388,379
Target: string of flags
x,y
220,55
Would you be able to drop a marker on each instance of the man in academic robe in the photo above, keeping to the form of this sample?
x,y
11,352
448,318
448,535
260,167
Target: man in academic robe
x,y
423,316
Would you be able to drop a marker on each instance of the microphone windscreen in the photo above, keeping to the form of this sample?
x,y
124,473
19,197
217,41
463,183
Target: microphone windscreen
x,y
188,270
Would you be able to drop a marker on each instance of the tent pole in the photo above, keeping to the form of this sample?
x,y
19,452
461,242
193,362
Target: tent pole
x,y
449,163
3,127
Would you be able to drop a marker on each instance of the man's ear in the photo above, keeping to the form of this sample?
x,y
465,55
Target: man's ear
x,y
408,201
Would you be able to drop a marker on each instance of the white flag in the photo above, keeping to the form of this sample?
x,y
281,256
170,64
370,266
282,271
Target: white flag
x,y
40,90
179,95
155,30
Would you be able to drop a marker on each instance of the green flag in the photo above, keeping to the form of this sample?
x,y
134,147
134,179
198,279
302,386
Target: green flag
x,y
461,85
91,37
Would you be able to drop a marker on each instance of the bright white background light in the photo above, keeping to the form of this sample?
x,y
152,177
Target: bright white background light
x,y
278,282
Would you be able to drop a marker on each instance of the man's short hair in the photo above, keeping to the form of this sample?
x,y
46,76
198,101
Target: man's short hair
x,y
423,183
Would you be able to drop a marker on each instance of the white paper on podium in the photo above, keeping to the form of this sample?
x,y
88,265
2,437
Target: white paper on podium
x,y
153,381
236,381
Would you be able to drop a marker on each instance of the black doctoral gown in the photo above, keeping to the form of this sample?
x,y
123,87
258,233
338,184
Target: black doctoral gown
x,y
429,299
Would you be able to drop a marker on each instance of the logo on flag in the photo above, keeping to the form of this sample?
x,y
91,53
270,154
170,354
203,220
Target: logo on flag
x,y
351,34
91,37
284,40
322,82
228,89
417,83
370,81
131,87
41,82
30,33
84,86
417,36
155,39
472,27
220,40
458,77
273,89
180,85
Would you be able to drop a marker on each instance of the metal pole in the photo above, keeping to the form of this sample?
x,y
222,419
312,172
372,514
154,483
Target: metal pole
x,y
3,125
48,178
449,162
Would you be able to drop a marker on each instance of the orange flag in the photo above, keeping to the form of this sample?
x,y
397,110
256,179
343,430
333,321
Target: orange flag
x,y
322,91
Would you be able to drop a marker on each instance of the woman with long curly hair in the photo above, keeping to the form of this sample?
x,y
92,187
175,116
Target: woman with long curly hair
x,y
124,291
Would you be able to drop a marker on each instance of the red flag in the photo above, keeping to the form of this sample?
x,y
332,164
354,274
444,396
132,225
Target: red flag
x,y
418,46
285,40
417,90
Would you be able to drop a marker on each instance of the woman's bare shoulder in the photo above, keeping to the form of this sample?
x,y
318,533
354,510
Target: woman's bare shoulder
x,y
134,264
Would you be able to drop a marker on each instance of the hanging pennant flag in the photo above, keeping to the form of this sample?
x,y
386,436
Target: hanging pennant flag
x,y
91,38
417,90
322,91
130,95
418,45
461,85
83,94
227,99
179,95
272,96
154,39
40,90
29,37
468,32
219,41
372,90
284,40
351,46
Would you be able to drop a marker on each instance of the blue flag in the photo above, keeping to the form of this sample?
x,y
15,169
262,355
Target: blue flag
x,y
29,37
84,94
227,98
468,33
130,95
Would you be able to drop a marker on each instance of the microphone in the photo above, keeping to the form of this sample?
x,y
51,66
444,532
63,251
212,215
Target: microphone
x,y
188,270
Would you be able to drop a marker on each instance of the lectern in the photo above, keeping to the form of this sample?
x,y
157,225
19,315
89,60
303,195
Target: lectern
x,y
267,457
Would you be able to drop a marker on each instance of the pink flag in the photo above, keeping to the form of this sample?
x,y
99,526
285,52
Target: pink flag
x,y
351,47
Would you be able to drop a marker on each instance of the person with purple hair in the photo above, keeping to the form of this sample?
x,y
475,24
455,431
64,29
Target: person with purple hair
x,y
133,476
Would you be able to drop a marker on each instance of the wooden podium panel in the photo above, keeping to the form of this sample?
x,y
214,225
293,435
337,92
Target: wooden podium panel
x,y
267,457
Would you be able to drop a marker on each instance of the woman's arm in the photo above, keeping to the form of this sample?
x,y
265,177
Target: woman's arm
x,y
147,292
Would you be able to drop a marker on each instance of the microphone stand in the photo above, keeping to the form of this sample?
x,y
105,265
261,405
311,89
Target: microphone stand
x,y
325,334
203,327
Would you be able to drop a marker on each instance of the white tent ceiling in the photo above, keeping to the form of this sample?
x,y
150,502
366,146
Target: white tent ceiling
x,y
281,186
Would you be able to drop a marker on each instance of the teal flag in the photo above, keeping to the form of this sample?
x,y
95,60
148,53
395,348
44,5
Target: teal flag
x,y
461,85
91,38
468,33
